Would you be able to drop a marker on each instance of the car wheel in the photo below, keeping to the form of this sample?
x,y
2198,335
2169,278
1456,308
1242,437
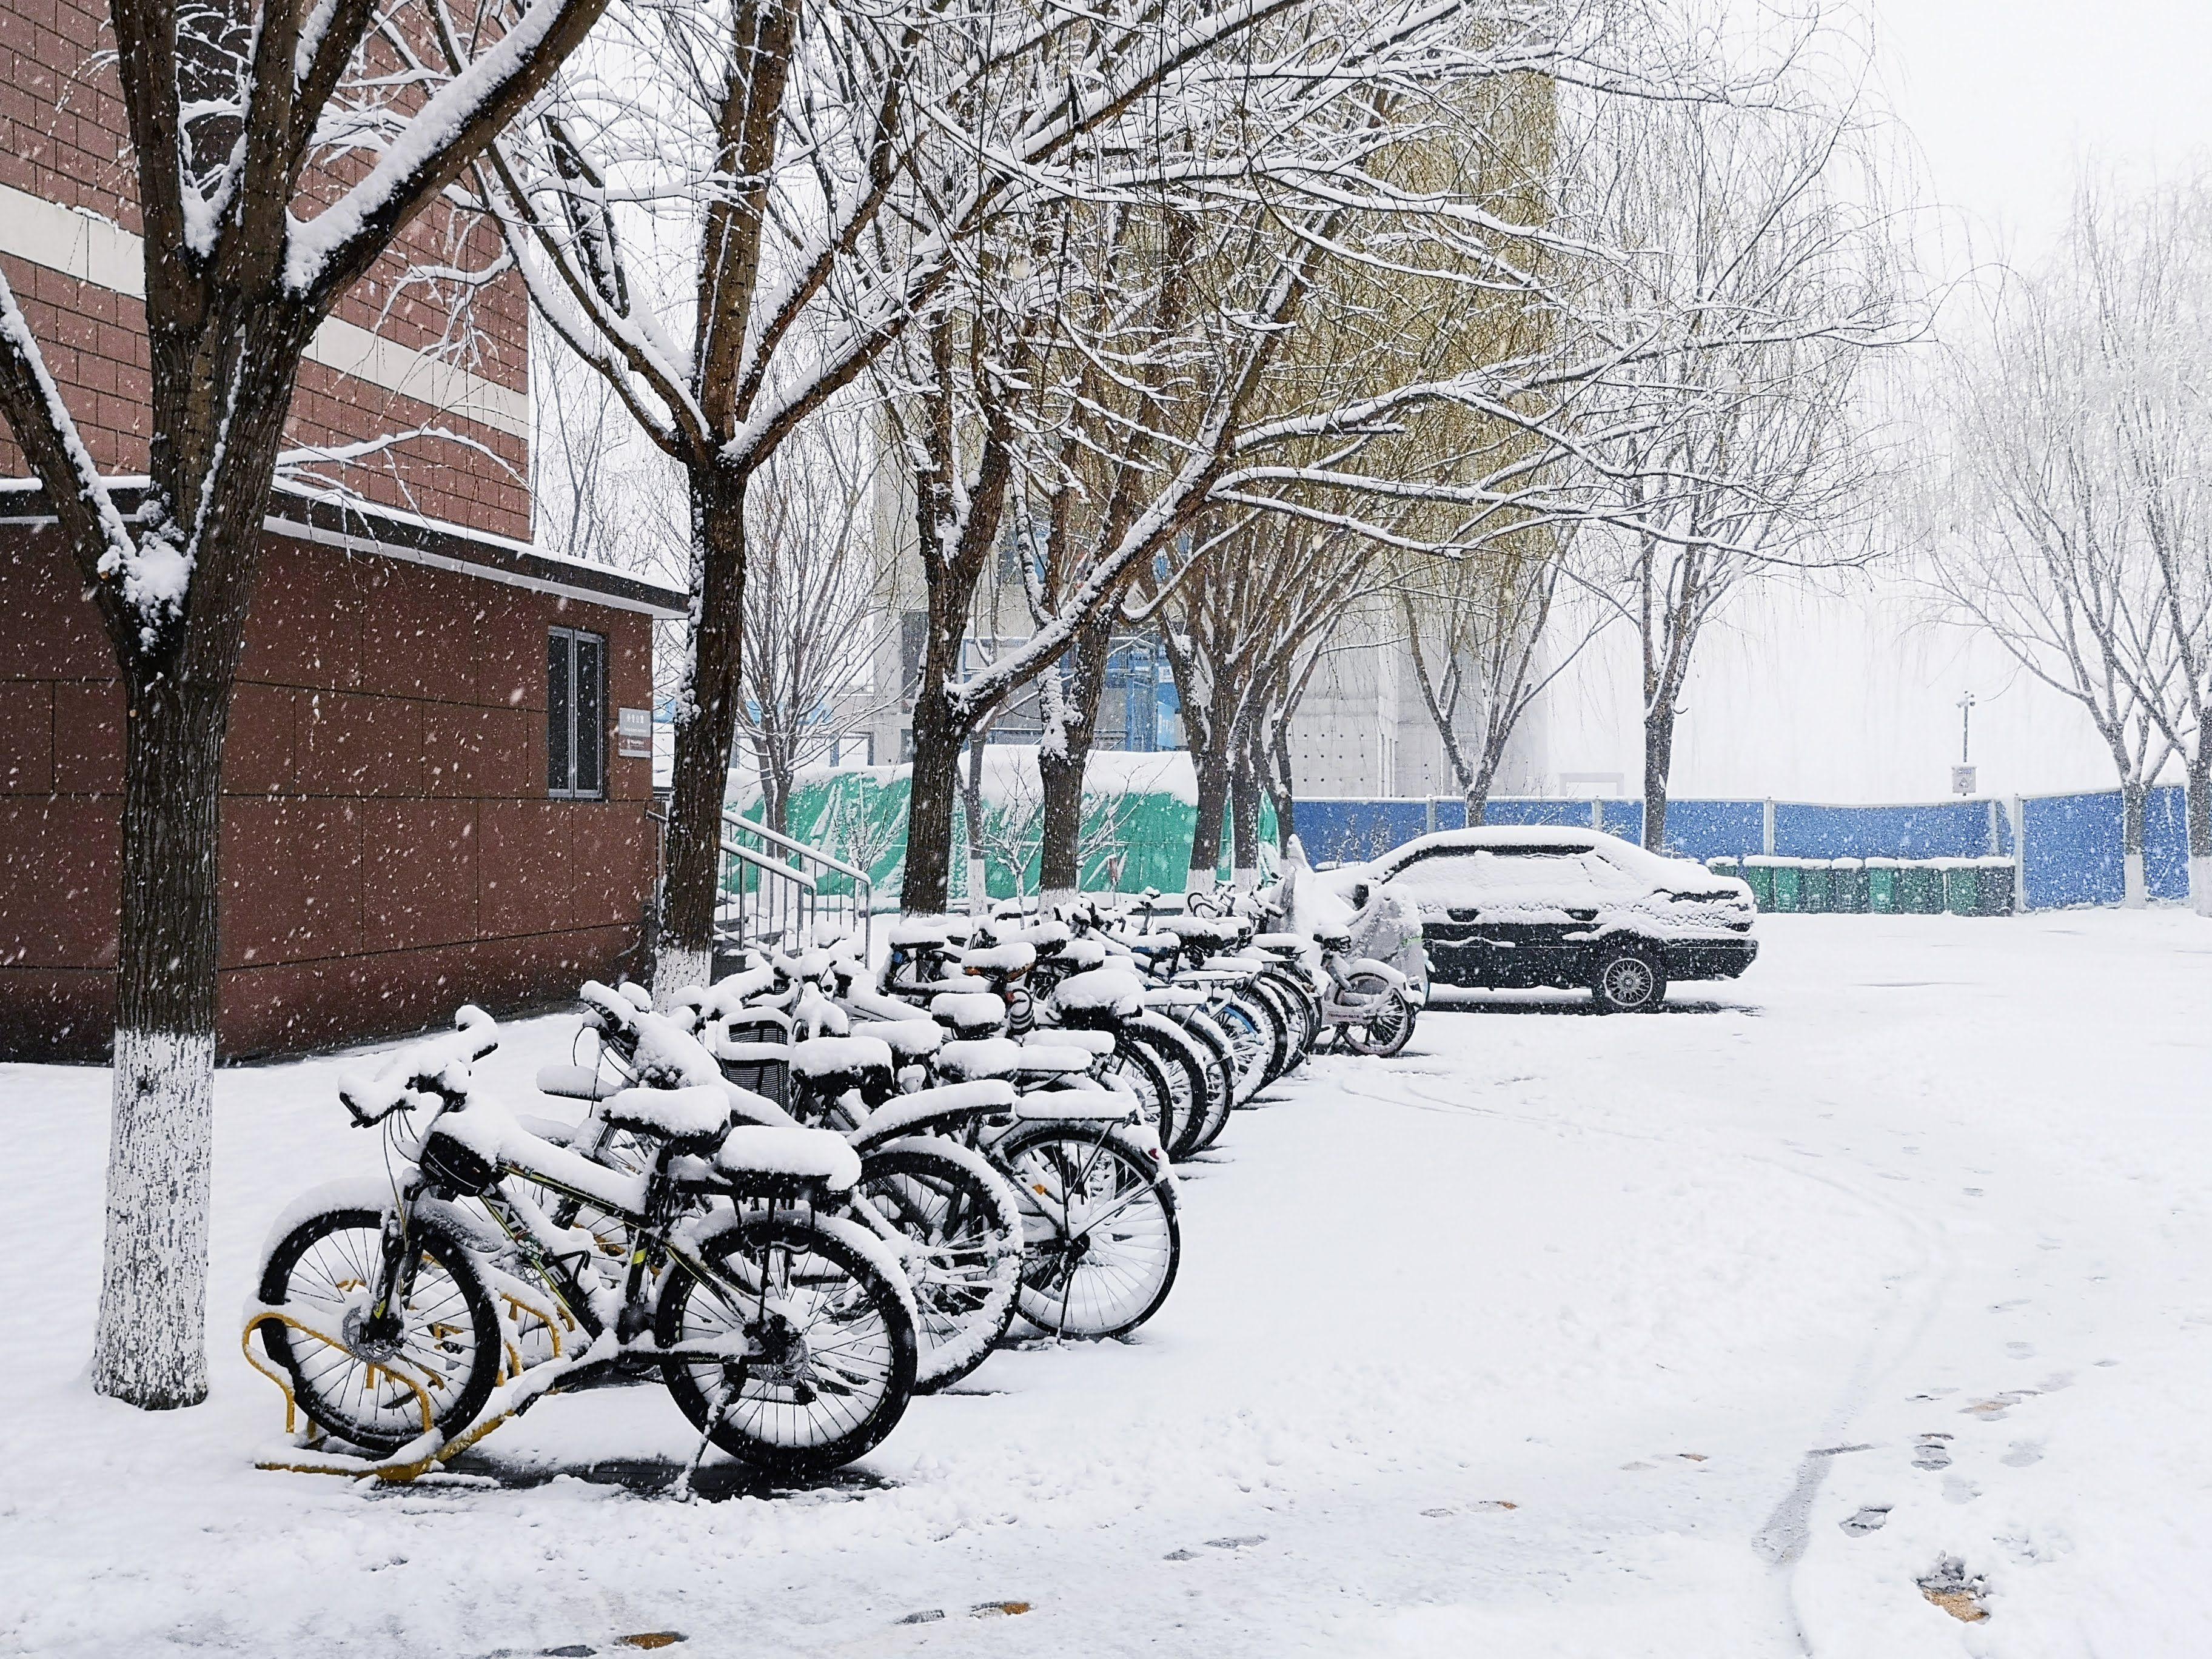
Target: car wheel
x,y
1628,980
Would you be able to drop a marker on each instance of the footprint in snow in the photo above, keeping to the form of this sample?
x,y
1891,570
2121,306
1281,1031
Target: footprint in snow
x,y
1236,1543
1932,1452
1870,1518
1957,1489
2023,1453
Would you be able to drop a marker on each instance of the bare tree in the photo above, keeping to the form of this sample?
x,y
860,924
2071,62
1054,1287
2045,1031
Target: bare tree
x,y
1733,452
820,168
2031,520
1481,636
277,152
2138,272
814,614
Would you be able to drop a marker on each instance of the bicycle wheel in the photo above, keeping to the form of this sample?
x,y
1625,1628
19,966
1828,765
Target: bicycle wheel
x,y
1299,995
817,1331
1101,1239
1289,1025
960,1234
1138,1068
1253,1038
1221,1074
326,1269
1189,1080
1384,1031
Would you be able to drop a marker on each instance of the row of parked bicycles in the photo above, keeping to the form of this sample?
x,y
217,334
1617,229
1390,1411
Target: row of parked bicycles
x,y
798,1196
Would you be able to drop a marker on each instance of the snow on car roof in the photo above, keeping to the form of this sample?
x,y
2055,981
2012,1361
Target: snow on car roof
x,y
1626,854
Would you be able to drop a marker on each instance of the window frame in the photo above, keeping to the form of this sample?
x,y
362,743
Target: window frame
x,y
598,735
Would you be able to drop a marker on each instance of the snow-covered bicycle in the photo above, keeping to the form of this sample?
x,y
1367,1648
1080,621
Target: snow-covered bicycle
x,y
409,1316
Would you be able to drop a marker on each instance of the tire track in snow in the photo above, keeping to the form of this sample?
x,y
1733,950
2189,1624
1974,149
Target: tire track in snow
x,y
1783,1540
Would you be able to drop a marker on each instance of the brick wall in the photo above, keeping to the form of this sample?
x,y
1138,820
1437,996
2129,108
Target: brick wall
x,y
389,851
63,138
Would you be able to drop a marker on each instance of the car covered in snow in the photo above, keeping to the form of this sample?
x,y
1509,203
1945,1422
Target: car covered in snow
x,y
1505,907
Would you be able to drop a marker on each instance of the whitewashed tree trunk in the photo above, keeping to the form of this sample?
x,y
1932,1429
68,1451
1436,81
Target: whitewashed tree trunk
x,y
979,886
2136,889
676,969
151,1346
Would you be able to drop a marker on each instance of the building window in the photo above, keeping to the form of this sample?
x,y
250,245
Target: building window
x,y
575,715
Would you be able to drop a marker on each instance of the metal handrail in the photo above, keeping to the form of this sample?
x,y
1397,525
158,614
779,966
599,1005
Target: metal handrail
x,y
768,900
777,838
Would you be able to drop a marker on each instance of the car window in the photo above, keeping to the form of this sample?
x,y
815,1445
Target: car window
x,y
1435,878
1535,876
1614,875
1473,878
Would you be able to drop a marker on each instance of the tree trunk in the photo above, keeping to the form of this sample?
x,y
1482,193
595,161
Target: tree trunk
x,y
1244,829
1211,765
938,736
971,802
2134,888
2200,830
1282,787
1658,760
212,461
150,1347
775,791
1064,756
1060,854
706,729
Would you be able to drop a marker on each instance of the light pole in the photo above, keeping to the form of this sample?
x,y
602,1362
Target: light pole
x,y
1962,774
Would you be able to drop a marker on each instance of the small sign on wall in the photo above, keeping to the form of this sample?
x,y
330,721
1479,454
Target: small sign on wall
x,y
634,733
1962,779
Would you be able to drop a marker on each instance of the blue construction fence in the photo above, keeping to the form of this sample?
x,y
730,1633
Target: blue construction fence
x,y
2067,846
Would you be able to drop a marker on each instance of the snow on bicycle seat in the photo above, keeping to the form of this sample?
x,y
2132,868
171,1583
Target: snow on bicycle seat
x,y
908,1040
1043,936
1288,944
821,1059
1174,996
576,1083
698,1115
1150,945
918,935
968,1012
1211,933
813,1157
1082,953
1102,993
1000,958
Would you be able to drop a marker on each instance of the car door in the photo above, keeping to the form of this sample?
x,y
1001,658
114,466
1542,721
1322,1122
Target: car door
x,y
1536,903
1439,883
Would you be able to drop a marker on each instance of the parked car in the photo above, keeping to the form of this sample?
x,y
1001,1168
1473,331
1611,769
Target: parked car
x,y
1503,907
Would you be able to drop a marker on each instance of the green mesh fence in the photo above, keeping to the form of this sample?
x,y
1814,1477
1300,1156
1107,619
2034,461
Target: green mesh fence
x,y
1132,839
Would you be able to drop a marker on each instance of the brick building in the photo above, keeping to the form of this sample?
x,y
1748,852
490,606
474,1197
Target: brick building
x,y
427,797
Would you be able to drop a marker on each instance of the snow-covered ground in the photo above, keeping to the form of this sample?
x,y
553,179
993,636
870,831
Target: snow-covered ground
x,y
1557,1335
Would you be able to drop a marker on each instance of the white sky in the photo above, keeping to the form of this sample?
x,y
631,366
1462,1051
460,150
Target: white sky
x,y
1844,697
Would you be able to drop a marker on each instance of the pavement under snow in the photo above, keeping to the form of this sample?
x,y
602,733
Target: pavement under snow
x,y
1706,1334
